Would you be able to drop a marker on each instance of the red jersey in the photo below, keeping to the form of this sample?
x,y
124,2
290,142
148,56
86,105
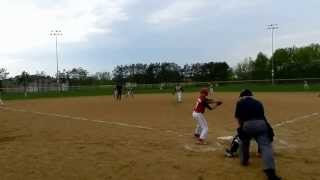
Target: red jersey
x,y
201,105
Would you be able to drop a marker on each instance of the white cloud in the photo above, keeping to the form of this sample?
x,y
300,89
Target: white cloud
x,y
178,11
229,6
25,43
299,38
27,24
181,11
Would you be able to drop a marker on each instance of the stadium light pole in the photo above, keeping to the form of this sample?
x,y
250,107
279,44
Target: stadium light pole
x,y
56,34
272,27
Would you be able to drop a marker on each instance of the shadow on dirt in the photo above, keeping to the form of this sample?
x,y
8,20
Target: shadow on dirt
x,y
11,138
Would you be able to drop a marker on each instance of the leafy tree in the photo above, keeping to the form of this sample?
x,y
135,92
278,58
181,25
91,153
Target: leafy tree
x,y
24,79
219,71
297,62
170,72
187,72
261,67
78,74
244,69
119,74
3,75
103,76
152,73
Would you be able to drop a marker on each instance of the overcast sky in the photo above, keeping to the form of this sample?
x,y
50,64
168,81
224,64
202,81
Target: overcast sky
x,y
99,34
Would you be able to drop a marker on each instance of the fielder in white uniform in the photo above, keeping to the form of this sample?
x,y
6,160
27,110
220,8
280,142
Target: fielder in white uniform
x,y
115,92
211,90
306,85
178,90
130,92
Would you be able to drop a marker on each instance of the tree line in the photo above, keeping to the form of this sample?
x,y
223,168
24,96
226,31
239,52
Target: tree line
x,y
172,72
291,62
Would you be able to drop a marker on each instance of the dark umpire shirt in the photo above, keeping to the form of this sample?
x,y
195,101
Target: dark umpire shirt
x,y
119,88
248,109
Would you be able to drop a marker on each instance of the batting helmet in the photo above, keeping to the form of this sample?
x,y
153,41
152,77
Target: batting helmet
x,y
204,91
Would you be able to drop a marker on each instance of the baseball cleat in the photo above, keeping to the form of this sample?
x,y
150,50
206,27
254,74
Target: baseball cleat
x,y
271,174
196,136
228,153
201,142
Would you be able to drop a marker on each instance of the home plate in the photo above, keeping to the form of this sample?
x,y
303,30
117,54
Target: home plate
x,y
225,140
200,148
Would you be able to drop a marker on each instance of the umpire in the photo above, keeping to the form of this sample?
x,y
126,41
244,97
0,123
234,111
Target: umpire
x,y
253,125
119,91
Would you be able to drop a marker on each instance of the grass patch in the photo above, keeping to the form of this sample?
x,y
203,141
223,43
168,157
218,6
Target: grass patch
x,y
148,89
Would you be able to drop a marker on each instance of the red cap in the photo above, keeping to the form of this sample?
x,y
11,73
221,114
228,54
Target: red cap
x,y
204,91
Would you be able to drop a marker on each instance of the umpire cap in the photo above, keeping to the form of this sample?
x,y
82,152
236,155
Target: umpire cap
x,y
246,92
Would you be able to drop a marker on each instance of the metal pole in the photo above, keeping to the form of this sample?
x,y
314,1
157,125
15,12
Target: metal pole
x,y
57,58
57,33
272,71
272,27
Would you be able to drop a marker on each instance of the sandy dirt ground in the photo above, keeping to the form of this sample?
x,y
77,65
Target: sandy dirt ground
x,y
149,137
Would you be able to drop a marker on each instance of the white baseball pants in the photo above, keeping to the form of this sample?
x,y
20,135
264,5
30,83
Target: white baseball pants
x,y
211,91
179,96
202,126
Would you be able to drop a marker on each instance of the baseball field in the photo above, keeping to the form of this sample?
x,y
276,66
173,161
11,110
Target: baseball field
x,y
150,137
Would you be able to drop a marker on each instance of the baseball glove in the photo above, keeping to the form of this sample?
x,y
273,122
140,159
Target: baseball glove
x,y
209,101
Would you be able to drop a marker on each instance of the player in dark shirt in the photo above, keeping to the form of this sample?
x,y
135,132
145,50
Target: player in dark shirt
x,y
253,125
119,91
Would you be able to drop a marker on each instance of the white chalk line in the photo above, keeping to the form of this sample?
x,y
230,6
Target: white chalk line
x,y
114,123
188,147
200,148
300,118
192,148
77,118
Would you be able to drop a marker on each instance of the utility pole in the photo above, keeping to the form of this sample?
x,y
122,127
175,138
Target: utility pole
x,y
56,34
272,27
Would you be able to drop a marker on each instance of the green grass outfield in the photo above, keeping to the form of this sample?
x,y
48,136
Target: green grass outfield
x,y
147,89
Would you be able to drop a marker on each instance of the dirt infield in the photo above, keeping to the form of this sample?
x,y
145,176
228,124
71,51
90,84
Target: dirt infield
x,y
149,137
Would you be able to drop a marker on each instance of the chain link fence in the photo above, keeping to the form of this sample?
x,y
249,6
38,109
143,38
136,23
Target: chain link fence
x,y
34,90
